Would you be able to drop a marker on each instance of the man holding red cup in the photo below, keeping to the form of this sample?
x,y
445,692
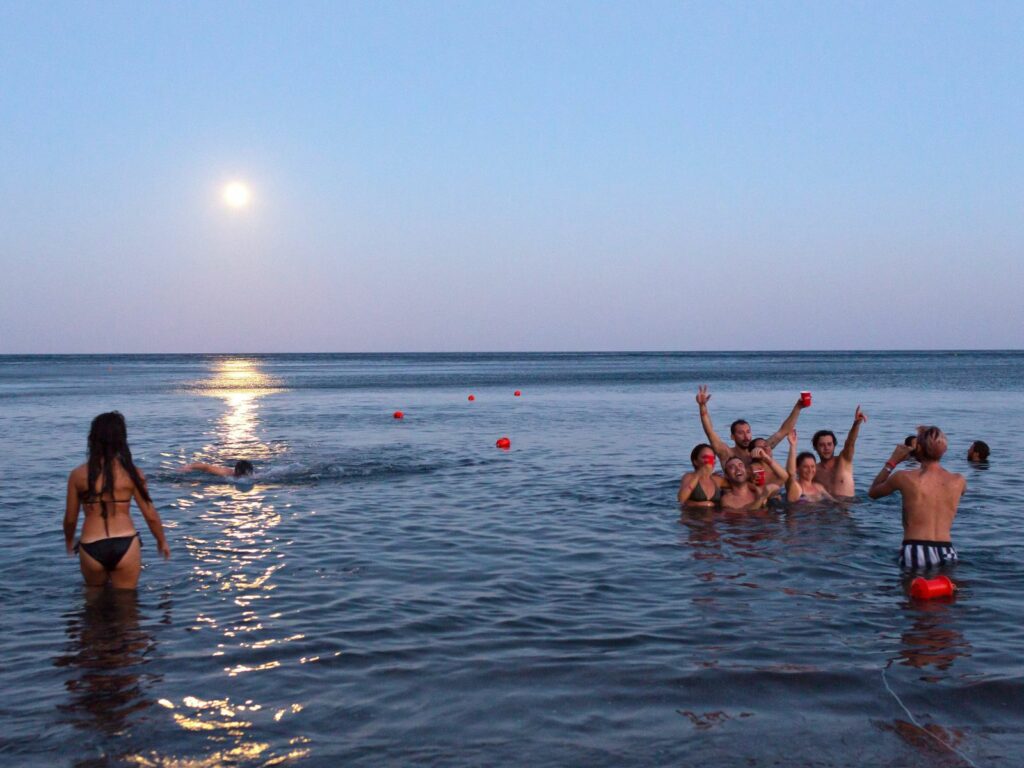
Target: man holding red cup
x,y
740,430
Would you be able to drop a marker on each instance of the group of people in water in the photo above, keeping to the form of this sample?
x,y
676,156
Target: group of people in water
x,y
751,478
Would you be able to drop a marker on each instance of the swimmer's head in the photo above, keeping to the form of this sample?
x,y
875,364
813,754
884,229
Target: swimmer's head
x,y
931,443
699,452
741,434
244,468
824,442
806,466
735,470
978,451
760,442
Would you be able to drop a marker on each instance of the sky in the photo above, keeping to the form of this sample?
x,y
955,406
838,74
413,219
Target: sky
x,y
528,176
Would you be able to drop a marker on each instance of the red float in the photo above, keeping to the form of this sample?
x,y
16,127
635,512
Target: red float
x,y
399,415
471,398
926,589
517,393
504,443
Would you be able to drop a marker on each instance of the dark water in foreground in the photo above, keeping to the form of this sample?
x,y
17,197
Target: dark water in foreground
x,y
401,592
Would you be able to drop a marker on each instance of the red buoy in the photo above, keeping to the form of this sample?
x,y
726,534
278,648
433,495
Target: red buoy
x,y
517,393
504,443
399,415
472,398
926,589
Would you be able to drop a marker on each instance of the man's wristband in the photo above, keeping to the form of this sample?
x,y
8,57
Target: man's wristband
x,y
890,466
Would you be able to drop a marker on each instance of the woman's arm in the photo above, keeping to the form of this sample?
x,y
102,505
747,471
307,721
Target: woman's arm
x,y
71,507
149,513
793,489
690,482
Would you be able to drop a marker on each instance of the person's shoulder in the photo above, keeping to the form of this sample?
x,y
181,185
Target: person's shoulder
x,y
81,472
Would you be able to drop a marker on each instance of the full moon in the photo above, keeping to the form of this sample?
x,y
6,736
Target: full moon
x,y
237,194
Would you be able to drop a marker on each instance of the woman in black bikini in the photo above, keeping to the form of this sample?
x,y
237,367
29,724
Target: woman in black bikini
x,y
701,488
104,486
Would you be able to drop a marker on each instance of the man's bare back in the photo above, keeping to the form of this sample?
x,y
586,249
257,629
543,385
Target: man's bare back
x,y
930,494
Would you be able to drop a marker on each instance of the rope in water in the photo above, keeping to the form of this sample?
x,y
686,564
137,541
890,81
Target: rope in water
x,y
920,727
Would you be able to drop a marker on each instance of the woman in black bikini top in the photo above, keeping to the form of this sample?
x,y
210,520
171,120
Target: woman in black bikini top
x,y
104,487
700,488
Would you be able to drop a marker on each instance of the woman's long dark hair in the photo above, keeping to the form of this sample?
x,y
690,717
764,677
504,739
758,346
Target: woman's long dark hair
x,y
108,440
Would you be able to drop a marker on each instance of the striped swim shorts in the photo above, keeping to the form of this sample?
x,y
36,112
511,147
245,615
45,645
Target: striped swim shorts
x,y
918,555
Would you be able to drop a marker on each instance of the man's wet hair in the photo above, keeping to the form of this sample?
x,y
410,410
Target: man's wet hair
x,y
931,443
243,468
806,455
981,448
738,422
823,433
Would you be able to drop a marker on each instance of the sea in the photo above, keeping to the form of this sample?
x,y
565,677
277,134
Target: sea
x,y
397,592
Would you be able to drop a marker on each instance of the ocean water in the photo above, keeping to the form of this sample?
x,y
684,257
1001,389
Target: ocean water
x,y
404,593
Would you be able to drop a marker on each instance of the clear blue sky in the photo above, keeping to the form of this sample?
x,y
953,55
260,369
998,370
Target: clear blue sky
x,y
511,176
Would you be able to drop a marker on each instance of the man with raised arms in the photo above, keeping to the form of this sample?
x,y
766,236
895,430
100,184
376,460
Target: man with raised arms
x,y
930,495
740,430
835,472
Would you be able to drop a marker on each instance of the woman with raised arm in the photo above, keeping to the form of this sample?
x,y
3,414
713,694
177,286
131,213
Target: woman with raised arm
x,y
801,485
109,549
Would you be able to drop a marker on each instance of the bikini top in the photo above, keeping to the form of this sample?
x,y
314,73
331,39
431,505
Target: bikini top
x,y
699,494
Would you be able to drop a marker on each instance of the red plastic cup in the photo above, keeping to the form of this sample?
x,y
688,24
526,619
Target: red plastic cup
x,y
504,443
398,415
709,459
759,477
927,589
805,399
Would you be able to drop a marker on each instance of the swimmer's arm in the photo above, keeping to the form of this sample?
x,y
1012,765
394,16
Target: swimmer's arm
x,y
687,486
71,507
777,469
722,450
888,481
788,425
851,437
152,518
212,469
793,489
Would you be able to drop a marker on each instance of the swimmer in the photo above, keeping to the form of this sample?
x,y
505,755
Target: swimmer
x,y
802,469
978,452
242,468
109,549
930,496
740,430
775,473
774,476
701,488
836,472
741,495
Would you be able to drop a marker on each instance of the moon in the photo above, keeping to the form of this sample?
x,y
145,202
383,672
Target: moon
x,y
237,194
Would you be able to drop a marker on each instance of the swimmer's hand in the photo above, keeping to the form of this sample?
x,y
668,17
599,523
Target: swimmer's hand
x,y
164,550
758,453
792,437
705,470
702,395
901,453
859,417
